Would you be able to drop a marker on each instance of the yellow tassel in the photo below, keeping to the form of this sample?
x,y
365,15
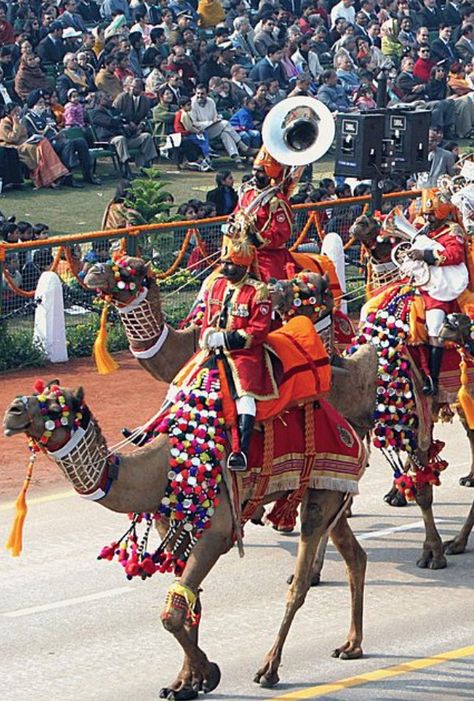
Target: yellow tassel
x,y
15,540
464,398
103,360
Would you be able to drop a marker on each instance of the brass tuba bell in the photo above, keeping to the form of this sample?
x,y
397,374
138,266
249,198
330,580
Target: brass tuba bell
x,y
298,131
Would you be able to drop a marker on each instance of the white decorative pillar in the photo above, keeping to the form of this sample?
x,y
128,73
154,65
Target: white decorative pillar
x,y
333,248
50,328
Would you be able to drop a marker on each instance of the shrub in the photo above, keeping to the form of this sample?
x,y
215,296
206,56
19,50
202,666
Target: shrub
x,y
19,350
80,337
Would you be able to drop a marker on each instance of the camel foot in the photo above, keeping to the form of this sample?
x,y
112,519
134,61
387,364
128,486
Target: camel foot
x,y
267,676
394,498
467,481
189,688
284,530
348,651
432,563
454,547
315,579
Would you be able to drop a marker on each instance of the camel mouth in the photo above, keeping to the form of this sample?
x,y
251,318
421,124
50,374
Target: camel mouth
x,y
13,430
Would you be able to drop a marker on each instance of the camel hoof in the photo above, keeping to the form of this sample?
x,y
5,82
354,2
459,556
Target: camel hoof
x,y
181,695
267,681
290,579
347,654
467,481
212,679
315,580
440,563
397,500
454,547
423,562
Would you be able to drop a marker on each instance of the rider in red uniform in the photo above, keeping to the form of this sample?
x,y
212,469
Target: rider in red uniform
x,y
237,319
449,275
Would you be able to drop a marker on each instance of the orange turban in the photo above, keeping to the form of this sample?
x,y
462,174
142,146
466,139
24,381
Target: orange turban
x,y
239,253
431,203
272,168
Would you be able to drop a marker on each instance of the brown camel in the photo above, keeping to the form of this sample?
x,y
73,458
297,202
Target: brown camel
x,y
140,486
359,381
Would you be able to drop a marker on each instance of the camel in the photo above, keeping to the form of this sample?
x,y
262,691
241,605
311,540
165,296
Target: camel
x,y
140,486
365,230
358,380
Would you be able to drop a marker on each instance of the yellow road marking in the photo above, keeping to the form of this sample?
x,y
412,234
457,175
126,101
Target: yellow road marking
x,y
39,500
377,675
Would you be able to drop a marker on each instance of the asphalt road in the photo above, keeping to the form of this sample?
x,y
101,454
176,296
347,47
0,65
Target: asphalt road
x,y
73,629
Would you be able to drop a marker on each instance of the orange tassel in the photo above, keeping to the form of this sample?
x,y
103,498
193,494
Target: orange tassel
x,y
464,398
103,360
15,540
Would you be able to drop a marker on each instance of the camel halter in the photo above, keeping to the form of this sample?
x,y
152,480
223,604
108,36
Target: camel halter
x,y
139,319
86,462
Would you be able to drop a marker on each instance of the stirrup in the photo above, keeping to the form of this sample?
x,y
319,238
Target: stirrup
x,y
237,462
430,388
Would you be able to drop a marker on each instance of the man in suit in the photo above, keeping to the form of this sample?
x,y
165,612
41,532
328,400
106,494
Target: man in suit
x,y
442,48
112,127
134,106
430,16
360,26
465,45
451,14
243,42
51,49
71,18
240,87
265,37
269,68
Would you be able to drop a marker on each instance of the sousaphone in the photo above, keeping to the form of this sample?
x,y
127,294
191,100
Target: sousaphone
x,y
298,131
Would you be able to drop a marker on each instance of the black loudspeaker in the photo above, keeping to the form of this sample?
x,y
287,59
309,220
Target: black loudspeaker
x,y
359,144
408,132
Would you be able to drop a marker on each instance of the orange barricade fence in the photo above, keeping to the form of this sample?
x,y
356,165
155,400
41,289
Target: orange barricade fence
x,y
182,256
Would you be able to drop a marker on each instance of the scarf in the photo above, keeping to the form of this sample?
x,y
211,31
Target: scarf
x,y
78,78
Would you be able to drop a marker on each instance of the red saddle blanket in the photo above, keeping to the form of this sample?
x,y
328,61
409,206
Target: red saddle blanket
x,y
449,378
340,456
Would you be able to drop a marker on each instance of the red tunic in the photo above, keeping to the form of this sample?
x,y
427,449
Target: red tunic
x,y
244,313
451,237
274,224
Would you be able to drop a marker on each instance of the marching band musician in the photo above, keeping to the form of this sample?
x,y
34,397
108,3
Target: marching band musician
x,y
237,319
272,219
442,247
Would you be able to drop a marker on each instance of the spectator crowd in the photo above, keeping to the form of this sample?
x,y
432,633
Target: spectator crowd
x,y
140,80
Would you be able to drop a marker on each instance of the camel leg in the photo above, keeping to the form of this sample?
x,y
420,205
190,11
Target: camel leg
x,y
319,508
432,553
356,561
468,480
458,544
197,673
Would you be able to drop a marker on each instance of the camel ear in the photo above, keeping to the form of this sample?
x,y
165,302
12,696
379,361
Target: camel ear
x,y
78,398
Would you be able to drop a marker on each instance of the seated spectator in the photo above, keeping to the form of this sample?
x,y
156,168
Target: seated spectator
x,y
211,13
240,87
116,215
346,76
365,98
141,25
205,116
274,94
133,105
99,252
213,65
191,134
110,126
302,86
442,48
163,114
182,65
306,59
157,77
269,68
242,41
262,103
220,91
244,125
75,77
11,271
462,96
465,45
106,81
441,162
424,64
111,7
74,111
332,94
264,38
32,270
29,76
290,69
71,18
51,49
137,51
430,16
391,46
224,196
39,157
123,70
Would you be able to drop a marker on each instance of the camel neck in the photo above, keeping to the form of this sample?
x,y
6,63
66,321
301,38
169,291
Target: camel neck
x,y
142,318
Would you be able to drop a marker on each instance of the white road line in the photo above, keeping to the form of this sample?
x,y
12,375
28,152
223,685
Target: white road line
x,y
67,602
394,529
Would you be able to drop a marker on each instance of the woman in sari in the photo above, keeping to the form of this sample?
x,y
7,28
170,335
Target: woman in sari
x,y
40,159
30,76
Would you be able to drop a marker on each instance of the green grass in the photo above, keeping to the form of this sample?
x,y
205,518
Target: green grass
x,y
69,211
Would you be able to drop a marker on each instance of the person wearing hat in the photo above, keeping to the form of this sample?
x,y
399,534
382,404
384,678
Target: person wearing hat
x,y
442,247
183,7
236,323
51,49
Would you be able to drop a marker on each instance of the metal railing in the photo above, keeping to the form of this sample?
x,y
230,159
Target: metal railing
x,y
182,253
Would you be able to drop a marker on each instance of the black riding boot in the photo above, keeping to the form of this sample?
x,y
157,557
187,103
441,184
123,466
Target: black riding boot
x,y
431,381
238,461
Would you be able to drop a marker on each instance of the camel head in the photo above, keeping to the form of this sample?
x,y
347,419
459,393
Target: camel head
x,y
366,231
120,279
307,294
457,329
48,416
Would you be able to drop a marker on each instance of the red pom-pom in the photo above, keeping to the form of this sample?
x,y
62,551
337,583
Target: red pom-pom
x,y
39,385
